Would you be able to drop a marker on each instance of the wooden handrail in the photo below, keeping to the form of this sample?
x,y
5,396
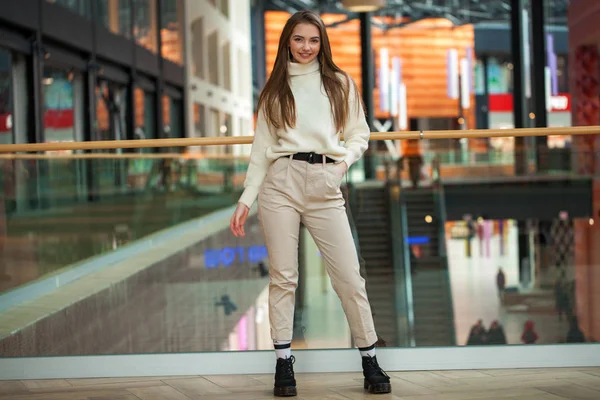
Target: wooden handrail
x,y
118,156
237,140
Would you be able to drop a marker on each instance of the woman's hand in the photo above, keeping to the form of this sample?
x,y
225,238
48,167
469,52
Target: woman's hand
x,y
238,219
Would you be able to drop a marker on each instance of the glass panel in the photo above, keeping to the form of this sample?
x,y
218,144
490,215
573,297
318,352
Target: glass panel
x,y
195,269
6,98
172,119
163,196
172,30
448,232
175,118
59,123
144,27
111,111
144,114
61,186
81,7
115,15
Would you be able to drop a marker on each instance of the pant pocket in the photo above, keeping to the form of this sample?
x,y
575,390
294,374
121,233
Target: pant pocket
x,y
333,176
277,173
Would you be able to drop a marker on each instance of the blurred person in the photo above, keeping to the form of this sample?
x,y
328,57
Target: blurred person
x,y
575,335
529,335
297,164
495,334
501,284
477,335
562,296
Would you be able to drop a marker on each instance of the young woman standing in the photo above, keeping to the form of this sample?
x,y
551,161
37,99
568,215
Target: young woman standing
x,y
297,164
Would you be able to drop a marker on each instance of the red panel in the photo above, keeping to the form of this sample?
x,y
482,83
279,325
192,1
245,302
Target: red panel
x,y
4,122
58,119
503,102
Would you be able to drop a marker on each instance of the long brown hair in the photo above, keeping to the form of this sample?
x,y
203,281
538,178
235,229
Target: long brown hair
x,y
277,97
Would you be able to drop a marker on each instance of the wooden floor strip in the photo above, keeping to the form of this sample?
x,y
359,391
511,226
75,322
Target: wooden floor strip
x,y
527,384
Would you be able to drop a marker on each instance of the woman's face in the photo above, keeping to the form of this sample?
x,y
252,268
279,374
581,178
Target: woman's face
x,y
305,43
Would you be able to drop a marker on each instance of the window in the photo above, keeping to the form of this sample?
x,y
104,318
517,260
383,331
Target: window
x,y
81,7
6,98
171,30
115,15
199,120
213,58
144,26
198,47
144,115
111,111
226,49
59,113
225,8
172,117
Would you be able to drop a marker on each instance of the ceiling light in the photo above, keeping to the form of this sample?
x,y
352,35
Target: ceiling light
x,y
363,5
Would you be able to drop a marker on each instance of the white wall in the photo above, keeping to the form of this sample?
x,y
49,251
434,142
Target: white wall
x,y
205,58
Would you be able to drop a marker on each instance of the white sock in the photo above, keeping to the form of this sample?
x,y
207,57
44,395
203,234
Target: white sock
x,y
368,353
283,348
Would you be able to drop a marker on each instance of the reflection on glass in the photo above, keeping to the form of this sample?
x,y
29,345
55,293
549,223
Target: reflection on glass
x,y
171,33
115,15
81,7
144,27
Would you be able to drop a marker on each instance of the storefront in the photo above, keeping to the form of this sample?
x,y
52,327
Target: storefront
x,y
121,77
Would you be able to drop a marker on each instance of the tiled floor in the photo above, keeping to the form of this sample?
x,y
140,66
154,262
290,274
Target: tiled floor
x,y
474,293
528,384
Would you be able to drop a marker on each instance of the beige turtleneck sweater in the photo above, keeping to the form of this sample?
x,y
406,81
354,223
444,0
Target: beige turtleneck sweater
x,y
314,131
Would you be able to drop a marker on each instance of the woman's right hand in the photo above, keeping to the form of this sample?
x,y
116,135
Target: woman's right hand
x,y
238,219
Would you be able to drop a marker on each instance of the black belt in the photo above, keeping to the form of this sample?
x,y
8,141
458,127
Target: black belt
x,y
312,158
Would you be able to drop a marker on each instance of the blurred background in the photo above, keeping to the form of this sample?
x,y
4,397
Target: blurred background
x,y
463,241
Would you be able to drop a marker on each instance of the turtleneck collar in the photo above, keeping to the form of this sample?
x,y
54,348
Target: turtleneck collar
x,y
303,69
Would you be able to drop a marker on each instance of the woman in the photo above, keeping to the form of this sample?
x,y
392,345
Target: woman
x,y
297,164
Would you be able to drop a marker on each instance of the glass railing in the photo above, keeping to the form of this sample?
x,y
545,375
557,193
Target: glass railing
x,y
128,253
61,210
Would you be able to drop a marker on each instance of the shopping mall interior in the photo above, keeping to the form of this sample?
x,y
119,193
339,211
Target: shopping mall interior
x,y
126,130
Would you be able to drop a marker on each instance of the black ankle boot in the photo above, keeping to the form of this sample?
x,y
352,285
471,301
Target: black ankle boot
x,y
285,383
376,380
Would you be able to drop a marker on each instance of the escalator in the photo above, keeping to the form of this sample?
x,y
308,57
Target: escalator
x,y
370,209
423,226
409,291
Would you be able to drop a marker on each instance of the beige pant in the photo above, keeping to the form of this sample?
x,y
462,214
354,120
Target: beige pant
x,y
296,191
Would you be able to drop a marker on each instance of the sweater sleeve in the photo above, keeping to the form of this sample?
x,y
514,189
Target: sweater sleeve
x,y
259,163
357,132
